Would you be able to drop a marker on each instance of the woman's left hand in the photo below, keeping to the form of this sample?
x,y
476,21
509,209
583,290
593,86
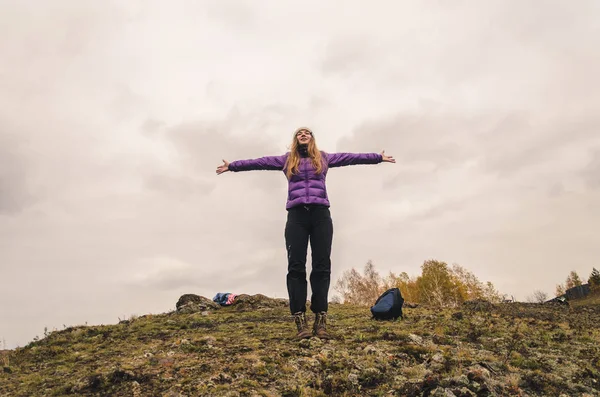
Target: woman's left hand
x,y
389,159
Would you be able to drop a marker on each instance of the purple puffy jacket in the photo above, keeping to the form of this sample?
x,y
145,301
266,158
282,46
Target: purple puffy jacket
x,y
306,187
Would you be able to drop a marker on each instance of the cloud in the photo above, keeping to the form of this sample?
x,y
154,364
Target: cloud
x,y
555,190
198,147
350,54
163,273
518,144
177,185
422,139
15,192
591,172
437,213
172,274
151,127
239,17
431,145
114,117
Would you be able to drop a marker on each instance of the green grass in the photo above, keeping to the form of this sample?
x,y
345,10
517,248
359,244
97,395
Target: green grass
x,y
592,299
510,349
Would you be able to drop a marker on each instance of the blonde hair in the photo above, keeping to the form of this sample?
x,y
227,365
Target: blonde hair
x,y
293,160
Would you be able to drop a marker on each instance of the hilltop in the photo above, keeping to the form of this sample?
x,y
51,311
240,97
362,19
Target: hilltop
x,y
248,349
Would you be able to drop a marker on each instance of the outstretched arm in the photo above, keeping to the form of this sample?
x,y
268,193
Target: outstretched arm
x,y
343,159
263,163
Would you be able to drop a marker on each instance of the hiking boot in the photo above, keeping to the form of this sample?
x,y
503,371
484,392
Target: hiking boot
x,y
320,326
303,331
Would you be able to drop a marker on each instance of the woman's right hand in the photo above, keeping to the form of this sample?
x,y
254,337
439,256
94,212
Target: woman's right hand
x,y
223,168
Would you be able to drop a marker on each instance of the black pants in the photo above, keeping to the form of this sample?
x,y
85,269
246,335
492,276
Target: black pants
x,y
304,223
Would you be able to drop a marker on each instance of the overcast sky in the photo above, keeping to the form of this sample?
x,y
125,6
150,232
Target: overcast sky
x,y
115,115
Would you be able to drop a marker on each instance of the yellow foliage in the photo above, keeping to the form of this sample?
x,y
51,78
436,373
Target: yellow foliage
x,y
438,285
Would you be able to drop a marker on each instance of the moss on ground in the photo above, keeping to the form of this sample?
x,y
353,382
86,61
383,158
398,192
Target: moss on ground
x,y
505,349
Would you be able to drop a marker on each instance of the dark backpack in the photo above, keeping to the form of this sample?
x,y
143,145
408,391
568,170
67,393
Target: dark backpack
x,y
388,306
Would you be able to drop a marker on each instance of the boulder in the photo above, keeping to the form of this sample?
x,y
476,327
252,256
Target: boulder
x,y
190,303
258,301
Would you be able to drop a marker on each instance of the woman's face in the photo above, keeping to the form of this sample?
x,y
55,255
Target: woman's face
x,y
304,136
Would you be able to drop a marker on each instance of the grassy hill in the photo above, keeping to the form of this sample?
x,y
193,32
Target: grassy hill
x,y
592,299
479,349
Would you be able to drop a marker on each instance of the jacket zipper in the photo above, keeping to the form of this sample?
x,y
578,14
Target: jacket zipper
x,y
306,179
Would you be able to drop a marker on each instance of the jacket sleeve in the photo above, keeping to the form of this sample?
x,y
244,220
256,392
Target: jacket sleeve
x,y
343,159
275,163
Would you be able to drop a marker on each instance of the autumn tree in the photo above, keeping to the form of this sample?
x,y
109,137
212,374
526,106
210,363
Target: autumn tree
x,y
594,279
437,286
335,299
468,285
538,297
357,289
406,285
560,290
573,280
491,294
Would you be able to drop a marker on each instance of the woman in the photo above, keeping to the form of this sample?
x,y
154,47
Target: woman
x,y
308,219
